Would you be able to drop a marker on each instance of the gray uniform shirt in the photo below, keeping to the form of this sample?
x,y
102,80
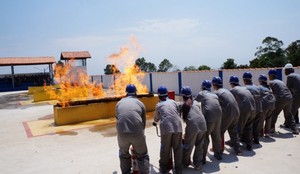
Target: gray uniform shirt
x,y
210,105
167,112
228,103
195,121
268,98
131,116
280,90
244,98
293,83
256,93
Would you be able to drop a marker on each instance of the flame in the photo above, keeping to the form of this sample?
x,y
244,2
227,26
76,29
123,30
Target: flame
x,y
125,60
75,83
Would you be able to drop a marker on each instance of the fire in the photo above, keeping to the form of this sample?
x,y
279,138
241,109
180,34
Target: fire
x,y
125,60
75,83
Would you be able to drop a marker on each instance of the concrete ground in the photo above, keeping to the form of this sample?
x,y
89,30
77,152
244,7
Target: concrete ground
x,y
94,149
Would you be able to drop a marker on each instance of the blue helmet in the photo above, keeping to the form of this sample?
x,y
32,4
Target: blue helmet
x,y
217,80
162,91
206,85
130,89
272,72
234,79
247,75
263,78
186,91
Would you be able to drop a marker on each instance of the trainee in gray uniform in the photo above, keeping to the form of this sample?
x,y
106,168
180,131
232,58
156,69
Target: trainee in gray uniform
x,y
230,114
293,83
194,131
284,101
247,108
256,93
212,112
131,121
167,113
268,104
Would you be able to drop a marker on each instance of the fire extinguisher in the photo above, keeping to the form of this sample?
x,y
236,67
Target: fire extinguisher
x,y
134,163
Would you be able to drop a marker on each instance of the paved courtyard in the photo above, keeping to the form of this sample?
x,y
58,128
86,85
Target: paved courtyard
x,y
92,149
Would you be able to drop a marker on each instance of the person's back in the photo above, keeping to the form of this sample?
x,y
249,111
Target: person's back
x,y
230,114
228,103
244,98
210,105
267,98
280,90
247,108
195,120
167,113
131,121
284,101
130,117
195,130
168,116
293,83
212,112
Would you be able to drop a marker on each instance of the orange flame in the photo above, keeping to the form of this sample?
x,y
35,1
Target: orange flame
x,y
125,60
75,84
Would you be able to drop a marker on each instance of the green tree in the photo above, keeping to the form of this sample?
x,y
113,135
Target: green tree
x,y
242,66
269,55
189,68
204,67
164,66
144,65
229,64
293,53
111,69
150,67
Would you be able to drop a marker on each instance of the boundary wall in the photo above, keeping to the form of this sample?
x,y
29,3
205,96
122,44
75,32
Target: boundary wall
x,y
174,81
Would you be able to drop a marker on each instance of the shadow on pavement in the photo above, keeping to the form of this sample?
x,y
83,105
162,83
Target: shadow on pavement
x,y
105,130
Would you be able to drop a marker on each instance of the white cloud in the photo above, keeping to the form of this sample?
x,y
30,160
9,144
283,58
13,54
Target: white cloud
x,y
161,26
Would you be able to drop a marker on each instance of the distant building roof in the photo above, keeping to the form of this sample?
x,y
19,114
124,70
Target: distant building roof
x,y
8,61
75,55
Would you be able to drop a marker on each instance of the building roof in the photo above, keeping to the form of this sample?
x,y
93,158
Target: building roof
x,y
75,55
9,61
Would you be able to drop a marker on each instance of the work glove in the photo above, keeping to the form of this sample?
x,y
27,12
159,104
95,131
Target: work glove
x,y
154,123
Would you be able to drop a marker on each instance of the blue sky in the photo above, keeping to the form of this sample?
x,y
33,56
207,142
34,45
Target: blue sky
x,y
193,32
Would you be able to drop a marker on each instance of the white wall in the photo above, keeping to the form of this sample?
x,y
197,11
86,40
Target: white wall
x,y
193,79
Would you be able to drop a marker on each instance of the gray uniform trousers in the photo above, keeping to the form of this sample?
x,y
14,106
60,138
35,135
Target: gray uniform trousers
x,y
213,129
139,144
194,139
258,118
231,124
286,106
171,141
295,107
245,125
267,118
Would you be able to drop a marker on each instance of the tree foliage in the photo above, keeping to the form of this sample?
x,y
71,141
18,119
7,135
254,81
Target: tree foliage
x,y
145,66
293,53
229,64
189,68
271,54
111,69
204,67
243,66
164,66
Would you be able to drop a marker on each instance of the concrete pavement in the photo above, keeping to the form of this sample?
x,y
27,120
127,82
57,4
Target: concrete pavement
x,y
94,149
